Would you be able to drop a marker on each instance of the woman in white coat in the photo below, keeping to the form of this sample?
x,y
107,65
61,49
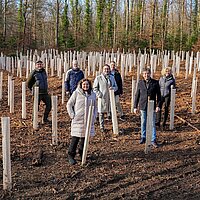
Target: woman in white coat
x,y
77,108
102,84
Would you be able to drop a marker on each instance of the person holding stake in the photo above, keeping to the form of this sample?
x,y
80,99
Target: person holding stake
x,y
102,84
77,108
38,77
147,89
166,82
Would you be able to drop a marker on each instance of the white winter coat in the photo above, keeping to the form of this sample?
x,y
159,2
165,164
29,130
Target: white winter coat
x,y
77,108
101,88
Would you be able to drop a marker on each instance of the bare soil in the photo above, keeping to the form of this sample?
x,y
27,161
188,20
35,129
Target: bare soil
x,y
116,167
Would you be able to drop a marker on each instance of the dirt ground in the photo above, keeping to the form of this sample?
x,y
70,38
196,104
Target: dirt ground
x,y
116,167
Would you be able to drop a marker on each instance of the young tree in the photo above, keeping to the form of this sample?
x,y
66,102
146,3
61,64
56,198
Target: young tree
x,y
100,5
87,21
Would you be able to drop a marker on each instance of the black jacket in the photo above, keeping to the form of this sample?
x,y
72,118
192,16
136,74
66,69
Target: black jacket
x,y
118,80
142,94
38,78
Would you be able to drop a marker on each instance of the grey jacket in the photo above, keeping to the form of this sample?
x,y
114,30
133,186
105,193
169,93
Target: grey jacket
x,y
165,85
101,88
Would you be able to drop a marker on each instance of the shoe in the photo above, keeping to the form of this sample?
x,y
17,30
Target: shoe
x,y
108,118
46,121
154,144
122,118
72,161
163,128
158,124
142,140
102,130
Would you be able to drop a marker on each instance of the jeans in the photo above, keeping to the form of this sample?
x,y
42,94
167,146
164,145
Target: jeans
x,y
144,124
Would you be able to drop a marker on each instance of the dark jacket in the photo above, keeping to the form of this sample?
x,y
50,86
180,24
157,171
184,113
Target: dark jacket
x,y
165,85
72,79
118,80
142,94
38,78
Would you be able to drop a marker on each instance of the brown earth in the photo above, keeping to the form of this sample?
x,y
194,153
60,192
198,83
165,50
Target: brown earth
x,y
116,167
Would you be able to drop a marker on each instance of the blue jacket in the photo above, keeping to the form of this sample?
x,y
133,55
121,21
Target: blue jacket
x,y
142,94
165,85
38,78
72,78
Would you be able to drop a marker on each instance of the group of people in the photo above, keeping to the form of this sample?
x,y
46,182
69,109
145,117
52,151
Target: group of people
x,y
82,94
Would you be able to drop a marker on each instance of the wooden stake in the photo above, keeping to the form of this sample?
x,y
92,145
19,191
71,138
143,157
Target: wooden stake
x,y
35,108
63,88
172,108
87,133
1,85
133,94
54,120
23,100
9,80
12,96
113,112
7,181
149,127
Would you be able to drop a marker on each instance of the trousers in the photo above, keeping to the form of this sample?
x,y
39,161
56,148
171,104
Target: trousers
x,y
73,146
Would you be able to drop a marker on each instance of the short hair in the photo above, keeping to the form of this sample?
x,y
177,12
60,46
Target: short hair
x,y
147,69
112,62
75,62
106,65
90,84
39,61
165,69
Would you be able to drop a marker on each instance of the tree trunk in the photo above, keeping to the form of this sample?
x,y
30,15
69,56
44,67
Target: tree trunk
x,y
152,24
5,20
57,23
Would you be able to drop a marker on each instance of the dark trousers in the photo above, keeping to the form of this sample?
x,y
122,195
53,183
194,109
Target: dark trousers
x,y
73,146
166,102
46,98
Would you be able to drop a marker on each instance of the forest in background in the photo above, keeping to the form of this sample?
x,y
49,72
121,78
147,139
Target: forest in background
x,y
99,24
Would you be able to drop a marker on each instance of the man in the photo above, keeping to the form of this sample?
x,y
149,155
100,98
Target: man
x,y
102,84
147,89
119,92
73,76
38,77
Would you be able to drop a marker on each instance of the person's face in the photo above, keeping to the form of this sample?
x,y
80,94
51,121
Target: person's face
x,y
106,70
167,72
85,86
146,75
39,65
112,66
75,65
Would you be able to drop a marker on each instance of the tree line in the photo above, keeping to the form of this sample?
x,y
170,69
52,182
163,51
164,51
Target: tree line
x,y
96,24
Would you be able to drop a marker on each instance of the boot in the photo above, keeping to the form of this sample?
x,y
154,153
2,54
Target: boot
x,y
72,161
